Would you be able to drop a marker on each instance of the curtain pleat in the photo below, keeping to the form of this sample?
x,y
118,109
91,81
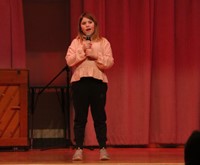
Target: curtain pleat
x,y
12,40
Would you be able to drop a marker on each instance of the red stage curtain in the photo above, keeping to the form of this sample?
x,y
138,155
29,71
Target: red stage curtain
x,y
12,40
154,86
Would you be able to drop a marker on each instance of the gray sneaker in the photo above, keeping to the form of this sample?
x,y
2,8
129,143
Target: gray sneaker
x,y
78,155
104,154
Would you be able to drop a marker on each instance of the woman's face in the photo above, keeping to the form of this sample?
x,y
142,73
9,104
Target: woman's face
x,y
87,26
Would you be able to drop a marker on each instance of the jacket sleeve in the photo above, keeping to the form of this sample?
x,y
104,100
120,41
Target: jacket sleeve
x,y
105,58
75,53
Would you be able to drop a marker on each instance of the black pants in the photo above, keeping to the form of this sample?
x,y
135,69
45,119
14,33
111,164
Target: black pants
x,y
89,92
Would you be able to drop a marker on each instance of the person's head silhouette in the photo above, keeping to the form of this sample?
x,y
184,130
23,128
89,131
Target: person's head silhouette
x,y
192,149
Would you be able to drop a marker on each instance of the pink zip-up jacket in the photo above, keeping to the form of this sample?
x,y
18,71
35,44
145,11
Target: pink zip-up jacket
x,y
83,67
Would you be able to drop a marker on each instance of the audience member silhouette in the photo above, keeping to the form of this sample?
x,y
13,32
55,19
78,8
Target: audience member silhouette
x,y
192,149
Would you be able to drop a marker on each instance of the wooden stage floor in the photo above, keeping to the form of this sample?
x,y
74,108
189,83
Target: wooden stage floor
x,y
119,156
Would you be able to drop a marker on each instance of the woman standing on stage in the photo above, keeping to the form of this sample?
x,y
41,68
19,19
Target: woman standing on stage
x,y
89,55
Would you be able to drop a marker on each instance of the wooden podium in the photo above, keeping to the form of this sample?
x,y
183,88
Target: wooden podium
x,y
13,108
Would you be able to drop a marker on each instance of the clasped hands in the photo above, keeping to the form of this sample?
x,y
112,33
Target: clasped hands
x,y
87,47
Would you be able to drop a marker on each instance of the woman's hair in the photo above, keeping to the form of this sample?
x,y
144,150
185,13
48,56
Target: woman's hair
x,y
95,35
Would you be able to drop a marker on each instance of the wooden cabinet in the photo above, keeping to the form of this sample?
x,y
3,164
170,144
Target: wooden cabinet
x,y
13,107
